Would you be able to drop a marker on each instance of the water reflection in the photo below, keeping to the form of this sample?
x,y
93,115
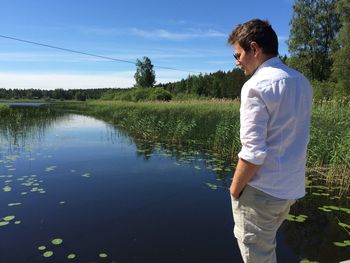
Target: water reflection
x,y
22,125
102,190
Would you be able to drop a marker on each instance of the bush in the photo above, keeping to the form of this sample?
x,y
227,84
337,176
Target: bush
x,y
138,94
323,89
160,94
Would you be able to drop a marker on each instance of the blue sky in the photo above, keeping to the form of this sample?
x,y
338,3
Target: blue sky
x,y
187,35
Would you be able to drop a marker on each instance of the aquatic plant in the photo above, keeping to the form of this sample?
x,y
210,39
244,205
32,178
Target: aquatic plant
x,y
214,124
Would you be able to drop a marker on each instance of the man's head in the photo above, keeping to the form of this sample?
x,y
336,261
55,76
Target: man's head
x,y
254,41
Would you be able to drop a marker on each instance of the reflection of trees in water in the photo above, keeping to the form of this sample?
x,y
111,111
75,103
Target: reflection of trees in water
x,y
313,239
19,125
190,152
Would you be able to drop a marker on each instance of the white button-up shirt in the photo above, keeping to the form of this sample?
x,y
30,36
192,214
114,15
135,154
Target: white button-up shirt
x,y
275,122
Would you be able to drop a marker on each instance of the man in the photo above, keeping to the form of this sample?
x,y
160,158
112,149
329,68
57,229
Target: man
x,y
275,121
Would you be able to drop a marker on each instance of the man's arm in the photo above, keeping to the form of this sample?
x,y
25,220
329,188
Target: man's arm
x,y
244,172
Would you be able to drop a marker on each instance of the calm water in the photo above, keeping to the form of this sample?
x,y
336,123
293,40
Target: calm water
x,y
83,181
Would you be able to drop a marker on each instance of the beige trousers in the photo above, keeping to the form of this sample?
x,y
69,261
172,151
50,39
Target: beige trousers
x,y
257,217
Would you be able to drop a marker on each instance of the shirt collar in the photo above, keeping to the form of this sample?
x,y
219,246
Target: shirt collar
x,y
268,63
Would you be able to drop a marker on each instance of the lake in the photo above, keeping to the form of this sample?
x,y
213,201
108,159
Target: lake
x,y
76,186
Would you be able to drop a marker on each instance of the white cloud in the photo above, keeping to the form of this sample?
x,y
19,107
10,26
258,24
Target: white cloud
x,y
47,80
187,34
184,34
18,80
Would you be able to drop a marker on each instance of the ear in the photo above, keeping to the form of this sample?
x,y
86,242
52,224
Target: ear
x,y
255,48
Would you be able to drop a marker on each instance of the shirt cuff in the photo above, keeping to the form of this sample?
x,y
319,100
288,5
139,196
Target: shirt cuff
x,y
256,158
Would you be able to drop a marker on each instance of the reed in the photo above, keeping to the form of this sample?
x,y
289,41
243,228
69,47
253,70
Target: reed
x,y
214,124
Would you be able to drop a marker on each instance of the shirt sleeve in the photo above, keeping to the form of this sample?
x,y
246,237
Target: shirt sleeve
x,y
253,131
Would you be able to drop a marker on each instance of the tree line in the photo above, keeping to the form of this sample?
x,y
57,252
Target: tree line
x,y
220,84
58,94
318,44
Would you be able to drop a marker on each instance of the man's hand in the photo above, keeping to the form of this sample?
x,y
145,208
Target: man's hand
x,y
243,174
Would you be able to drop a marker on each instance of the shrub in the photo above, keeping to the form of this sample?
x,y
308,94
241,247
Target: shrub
x,y
160,94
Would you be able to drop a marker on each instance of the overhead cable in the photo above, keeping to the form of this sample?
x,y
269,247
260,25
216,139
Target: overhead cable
x,y
87,54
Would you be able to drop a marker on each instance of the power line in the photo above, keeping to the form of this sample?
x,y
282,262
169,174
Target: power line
x,y
88,54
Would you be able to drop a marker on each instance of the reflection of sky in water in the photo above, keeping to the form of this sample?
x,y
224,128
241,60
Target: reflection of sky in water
x,y
115,201
94,189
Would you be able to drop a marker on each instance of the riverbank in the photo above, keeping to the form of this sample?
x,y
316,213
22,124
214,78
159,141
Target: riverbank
x,y
215,124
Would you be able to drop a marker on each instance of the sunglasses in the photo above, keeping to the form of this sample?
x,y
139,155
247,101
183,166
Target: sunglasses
x,y
236,56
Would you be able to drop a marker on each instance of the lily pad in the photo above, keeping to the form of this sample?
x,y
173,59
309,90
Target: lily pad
x,y
4,223
57,241
344,225
9,218
50,168
340,244
212,186
7,189
41,247
71,256
48,254
103,255
14,204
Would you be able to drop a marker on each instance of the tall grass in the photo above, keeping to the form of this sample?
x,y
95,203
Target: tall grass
x,y
212,124
17,124
329,149
215,125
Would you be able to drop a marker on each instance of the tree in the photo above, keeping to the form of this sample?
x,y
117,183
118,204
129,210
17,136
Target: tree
x,y
341,65
145,75
314,25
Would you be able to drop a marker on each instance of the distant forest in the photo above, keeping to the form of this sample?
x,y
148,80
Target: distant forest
x,y
215,85
57,94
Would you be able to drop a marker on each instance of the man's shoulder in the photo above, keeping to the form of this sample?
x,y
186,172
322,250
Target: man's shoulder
x,y
267,76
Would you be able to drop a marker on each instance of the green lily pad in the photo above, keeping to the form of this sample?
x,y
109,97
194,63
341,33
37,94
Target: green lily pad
x,y
48,254
7,189
325,209
50,168
9,218
71,256
103,255
18,222
4,223
340,244
344,225
41,247
57,241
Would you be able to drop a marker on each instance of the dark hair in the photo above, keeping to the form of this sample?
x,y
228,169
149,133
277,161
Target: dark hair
x,y
255,30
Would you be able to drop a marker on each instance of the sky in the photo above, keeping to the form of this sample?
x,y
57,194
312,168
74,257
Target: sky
x,y
187,35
